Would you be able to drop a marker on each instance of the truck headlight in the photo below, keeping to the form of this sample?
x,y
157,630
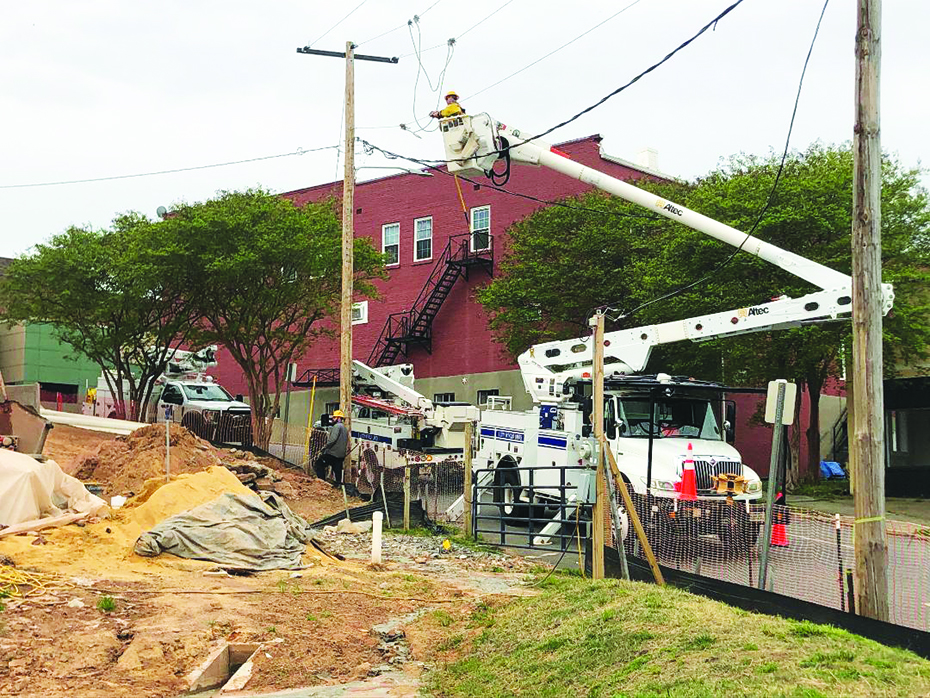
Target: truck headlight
x,y
660,484
754,486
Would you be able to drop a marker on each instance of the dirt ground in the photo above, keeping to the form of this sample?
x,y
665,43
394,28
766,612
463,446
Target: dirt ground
x,y
113,624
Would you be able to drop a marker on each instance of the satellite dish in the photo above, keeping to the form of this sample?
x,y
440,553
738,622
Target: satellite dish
x,y
161,211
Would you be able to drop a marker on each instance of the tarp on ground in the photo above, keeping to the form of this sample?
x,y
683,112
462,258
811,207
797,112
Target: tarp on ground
x,y
248,532
31,490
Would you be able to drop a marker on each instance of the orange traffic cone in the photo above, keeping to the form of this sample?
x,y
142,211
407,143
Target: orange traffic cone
x,y
688,481
779,532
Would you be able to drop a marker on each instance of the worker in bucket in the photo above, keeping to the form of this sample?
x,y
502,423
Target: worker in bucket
x,y
334,452
452,107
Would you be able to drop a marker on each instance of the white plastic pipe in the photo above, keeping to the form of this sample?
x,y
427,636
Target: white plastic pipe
x,y
376,518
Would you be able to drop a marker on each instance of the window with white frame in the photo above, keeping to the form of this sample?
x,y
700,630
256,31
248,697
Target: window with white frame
x,y
390,243
360,313
483,395
480,228
439,398
422,239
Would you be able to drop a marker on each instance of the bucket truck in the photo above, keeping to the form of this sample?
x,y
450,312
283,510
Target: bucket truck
x,y
191,398
649,421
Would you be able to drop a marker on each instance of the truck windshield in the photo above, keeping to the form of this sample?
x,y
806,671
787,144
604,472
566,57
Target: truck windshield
x,y
210,392
672,418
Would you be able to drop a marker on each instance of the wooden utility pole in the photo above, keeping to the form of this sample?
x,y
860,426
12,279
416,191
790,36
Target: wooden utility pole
x,y
348,232
469,438
598,517
866,442
348,242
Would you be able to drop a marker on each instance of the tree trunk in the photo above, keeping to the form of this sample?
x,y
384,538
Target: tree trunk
x,y
813,431
793,470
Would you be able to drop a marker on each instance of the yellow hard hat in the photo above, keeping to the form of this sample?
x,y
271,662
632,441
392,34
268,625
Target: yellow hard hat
x,y
451,93
339,413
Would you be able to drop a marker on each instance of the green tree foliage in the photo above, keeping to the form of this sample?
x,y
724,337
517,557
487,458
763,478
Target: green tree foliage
x,y
562,264
262,275
107,295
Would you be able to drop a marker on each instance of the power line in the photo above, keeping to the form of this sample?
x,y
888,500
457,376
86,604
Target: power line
x,y
399,26
299,151
424,163
631,82
769,199
568,43
351,12
406,55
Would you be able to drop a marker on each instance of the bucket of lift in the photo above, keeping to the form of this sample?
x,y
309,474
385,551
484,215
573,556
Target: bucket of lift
x,y
470,145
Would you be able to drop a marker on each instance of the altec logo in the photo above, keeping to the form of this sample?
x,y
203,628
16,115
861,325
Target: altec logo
x,y
749,312
669,207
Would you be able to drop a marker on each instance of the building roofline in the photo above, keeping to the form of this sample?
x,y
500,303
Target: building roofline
x,y
641,168
595,137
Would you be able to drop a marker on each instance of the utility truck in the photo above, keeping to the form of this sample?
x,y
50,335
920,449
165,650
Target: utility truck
x,y
652,424
186,395
395,425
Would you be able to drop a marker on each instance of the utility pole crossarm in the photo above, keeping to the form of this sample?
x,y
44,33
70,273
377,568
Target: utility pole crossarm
x,y
355,56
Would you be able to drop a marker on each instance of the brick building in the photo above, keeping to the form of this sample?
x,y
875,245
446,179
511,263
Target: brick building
x,y
415,218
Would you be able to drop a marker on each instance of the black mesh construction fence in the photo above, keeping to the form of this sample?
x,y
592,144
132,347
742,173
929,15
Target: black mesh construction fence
x,y
437,480
811,556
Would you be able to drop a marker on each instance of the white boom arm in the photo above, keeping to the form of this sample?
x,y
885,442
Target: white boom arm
x,y
473,144
383,378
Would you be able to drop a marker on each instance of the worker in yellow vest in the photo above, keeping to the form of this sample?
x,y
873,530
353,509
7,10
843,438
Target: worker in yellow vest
x,y
452,107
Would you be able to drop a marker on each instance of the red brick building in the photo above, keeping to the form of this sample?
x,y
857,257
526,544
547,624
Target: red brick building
x,y
413,217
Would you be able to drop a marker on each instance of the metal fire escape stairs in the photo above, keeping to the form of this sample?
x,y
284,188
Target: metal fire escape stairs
x,y
414,327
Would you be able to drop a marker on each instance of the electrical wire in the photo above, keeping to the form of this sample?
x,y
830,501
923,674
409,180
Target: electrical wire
x,y
299,151
631,82
351,12
641,75
769,199
425,163
399,26
553,52
481,21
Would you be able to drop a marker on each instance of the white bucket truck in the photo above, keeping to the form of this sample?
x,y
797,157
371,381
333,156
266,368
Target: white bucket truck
x,y
652,424
191,398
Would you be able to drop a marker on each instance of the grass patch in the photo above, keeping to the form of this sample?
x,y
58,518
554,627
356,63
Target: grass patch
x,y
106,604
615,638
825,489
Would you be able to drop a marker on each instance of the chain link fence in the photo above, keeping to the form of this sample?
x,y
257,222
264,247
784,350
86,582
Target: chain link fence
x,y
437,480
811,558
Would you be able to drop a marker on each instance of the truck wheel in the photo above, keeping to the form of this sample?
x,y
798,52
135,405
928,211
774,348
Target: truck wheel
x,y
507,495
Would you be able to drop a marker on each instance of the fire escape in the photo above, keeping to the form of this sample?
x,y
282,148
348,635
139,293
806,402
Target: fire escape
x,y
414,327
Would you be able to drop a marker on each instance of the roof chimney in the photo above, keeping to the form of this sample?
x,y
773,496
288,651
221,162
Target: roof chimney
x,y
648,158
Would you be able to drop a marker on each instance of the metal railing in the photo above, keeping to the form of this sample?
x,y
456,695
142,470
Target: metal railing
x,y
569,514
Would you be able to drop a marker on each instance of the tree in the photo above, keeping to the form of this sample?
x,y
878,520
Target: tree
x,y
561,265
262,275
107,295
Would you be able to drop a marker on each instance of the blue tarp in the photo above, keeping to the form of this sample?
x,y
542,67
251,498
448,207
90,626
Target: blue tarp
x,y
830,470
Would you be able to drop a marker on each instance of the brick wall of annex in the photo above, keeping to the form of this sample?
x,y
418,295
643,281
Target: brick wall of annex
x,y
462,342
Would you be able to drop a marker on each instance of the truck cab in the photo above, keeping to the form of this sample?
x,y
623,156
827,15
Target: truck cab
x,y
205,408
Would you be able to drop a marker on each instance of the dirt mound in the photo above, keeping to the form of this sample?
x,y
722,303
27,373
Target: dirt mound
x,y
66,445
122,465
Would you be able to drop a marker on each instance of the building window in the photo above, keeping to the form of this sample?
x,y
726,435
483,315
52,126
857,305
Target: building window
x,y
480,228
443,397
390,243
483,395
360,313
331,407
422,239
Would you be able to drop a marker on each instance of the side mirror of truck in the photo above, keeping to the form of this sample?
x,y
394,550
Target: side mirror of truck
x,y
729,423
239,397
611,430
325,420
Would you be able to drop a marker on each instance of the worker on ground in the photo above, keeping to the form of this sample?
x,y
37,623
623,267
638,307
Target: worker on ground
x,y
452,107
334,452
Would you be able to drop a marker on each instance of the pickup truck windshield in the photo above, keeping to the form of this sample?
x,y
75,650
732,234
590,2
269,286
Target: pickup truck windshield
x,y
210,392
672,418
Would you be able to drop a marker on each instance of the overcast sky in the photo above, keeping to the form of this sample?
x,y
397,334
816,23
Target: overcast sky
x,y
100,88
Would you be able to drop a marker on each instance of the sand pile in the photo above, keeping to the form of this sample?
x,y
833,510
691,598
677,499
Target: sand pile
x,y
122,465
105,548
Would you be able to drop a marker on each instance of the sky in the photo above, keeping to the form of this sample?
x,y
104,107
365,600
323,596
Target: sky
x,y
106,88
